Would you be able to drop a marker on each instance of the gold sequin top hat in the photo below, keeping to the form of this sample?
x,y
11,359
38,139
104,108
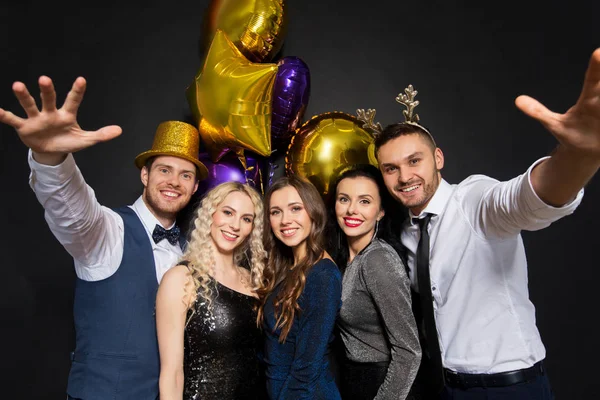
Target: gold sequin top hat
x,y
176,139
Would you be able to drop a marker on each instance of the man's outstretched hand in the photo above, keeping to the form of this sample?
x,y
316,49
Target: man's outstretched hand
x,y
578,129
52,133
576,160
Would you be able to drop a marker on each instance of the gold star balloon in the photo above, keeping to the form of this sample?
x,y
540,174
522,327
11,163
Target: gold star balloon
x,y
327,143
230,99
256,27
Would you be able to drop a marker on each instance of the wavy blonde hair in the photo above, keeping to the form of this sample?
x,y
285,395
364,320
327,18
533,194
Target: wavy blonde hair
x,y
199,253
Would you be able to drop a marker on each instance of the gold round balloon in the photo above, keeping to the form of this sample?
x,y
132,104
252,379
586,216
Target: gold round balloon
x,y
325,145
256,27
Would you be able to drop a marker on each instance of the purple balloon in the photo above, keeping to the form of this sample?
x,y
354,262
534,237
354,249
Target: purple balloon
x,y
290,98
226,170
254,171
230,168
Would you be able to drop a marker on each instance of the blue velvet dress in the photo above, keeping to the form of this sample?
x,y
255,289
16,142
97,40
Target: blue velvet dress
x,y
299,368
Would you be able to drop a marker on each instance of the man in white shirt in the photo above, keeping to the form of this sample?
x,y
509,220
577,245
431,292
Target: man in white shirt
x,y
483,342
120,255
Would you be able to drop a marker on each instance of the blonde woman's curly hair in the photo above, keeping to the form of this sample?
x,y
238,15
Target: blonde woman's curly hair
x,y
199,253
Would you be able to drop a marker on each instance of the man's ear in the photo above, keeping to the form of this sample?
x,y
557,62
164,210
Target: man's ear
x,y
195,186
439,159
144,176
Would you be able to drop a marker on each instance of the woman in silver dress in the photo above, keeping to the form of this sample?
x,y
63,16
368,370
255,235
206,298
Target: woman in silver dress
x,y
381,353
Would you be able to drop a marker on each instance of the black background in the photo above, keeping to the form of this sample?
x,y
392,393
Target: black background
x,y
468,60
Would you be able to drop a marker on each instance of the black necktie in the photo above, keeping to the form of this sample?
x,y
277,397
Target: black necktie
x,y
160,233
432,348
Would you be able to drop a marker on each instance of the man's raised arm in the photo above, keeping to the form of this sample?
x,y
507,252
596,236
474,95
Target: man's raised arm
x,y
558,179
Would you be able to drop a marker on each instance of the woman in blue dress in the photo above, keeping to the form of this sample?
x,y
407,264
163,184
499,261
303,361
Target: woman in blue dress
x,y
300,294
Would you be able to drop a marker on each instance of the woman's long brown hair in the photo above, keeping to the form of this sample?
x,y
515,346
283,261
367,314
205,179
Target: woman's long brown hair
x,y
280,264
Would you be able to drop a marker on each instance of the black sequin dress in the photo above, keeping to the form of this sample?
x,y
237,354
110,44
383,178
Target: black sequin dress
x,y
220,348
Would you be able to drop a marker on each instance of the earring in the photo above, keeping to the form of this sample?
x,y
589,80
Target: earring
x,y
376,229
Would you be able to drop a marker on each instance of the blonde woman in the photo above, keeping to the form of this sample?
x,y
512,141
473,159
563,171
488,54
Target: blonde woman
x,y
205,306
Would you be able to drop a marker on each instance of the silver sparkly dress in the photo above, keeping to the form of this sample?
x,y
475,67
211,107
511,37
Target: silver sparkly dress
x,y
382,351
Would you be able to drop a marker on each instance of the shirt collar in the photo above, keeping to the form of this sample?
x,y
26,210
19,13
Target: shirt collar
x,y
148,219
438,202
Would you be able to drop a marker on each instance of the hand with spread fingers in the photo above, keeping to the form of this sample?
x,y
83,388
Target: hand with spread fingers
x,y
577,158
52,133
578,129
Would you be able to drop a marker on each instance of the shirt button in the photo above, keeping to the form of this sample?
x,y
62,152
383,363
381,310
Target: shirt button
x,y
433,289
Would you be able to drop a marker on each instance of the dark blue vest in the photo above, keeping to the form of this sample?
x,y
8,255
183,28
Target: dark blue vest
x,y
116,351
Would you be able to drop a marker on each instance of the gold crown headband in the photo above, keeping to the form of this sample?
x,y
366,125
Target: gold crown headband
x,y
407,99
367,117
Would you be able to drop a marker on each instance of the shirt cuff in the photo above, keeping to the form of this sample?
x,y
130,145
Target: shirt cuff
x,y
51,175
538,206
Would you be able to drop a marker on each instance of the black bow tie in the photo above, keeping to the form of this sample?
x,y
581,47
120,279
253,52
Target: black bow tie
x,y
160,233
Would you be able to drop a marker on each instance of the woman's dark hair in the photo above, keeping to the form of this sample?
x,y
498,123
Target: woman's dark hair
x,y
389,226
280,264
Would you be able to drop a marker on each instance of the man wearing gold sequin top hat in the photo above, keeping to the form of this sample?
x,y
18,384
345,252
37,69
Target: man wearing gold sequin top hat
x,y
120,255
466,257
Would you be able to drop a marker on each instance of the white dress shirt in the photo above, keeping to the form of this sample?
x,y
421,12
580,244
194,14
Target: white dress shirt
x,y
484,318
91,233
